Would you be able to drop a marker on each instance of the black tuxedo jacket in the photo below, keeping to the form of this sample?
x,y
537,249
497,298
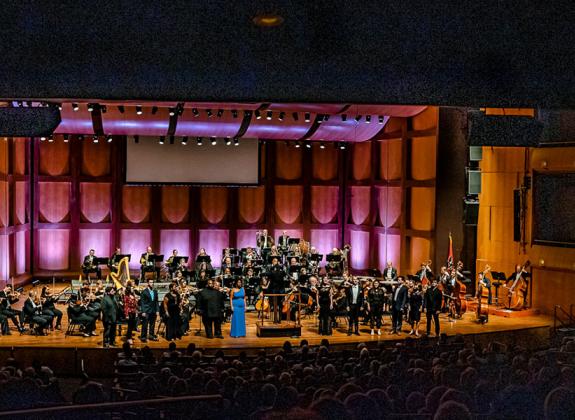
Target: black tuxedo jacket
x,y
393,273
399,302
349,296
148,304
432,300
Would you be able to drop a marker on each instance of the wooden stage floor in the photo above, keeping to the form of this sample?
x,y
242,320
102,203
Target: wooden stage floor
x,y
465,326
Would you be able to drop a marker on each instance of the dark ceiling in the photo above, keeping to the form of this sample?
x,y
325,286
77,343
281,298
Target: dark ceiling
x,y
493,53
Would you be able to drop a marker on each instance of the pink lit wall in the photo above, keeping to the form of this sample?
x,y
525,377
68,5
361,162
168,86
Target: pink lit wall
x,y
246,237
324,240
55,249
214,240
175,239
135,241
96,239
21,251
359,253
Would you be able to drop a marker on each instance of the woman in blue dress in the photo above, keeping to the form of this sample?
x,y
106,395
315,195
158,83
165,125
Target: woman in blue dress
x,y
238,305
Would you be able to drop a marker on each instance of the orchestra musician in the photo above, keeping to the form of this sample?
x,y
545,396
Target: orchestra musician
x,y
211,306
201,263
519,274
390,272
398,302
49,309
174,264
109,317
375,300
276,275
130,307
77,312
171,305
354,302
8,297
33,313
334,268
432,300
415,299
448,283
264,240
486,283
149,309
345,257
114,260
251,254
283,241
147,264
90,265
425,271
326,305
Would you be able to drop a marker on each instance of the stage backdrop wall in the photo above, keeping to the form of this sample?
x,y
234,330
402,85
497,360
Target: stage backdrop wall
x,y
378,196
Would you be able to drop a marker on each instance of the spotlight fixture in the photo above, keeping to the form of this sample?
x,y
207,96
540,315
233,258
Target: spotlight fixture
x,y
139,109
214,141
344,117
297,145
43,138
162,140
136,139
258,115
307,117
319,118
228,141
295,116
368,119
268,20
209,112
50,138
90,107
358,118
308,144
121,109
199,141
66,138
109,138
75,107
180,109
342,146
154,110
326,118
195,112
95,138
236,141
380,121
322,145
60,107
184,140
235,113
282,116
81,137
269,115
220,113
172,112
172,139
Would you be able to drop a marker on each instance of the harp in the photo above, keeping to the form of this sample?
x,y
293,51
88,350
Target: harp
x,y
122,275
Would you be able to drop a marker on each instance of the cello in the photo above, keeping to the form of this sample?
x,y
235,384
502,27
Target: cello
x,y
482,311
518,288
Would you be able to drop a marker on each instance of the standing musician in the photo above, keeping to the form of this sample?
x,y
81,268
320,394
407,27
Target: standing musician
x,y
210,306
264,240
519,276
33,313
390,272
398,302
375,300
354,299
326,305
149,308
130,308
78,313
283,241
49,309
425,271
484,281
147,264
8,297
185,305
345,257
109,317
90,265
415,299
114,260
432,306
334,268
171,306
448,284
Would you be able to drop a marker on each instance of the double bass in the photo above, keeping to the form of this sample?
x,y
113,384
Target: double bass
x,y
459,292
482,311
517,289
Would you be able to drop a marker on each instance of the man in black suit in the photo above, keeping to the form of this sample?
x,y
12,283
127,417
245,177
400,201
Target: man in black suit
x,y
283,240
264,240
390,272
148,264
432,306
109,317
354,300
149,308
7,298
398,301
79,313
424,272
90,266
33,313
211,305
276,275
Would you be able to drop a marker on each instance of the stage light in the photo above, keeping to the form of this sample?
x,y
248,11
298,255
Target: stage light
x,y
180,109
121,109
297,145
172,139
109,138
136,139
325,118
322,145
209,112
368,119
380,119
220,113
95,138
139,109
20,104
184,140
295,116
308,144
269,115
258,115
342,146
235,113
357,118
268,20
195,112
66,138
307,117
81,137
90,107
199,141
50,138
214,141
228,141
344,117
75,107
104,109
236,141
154,110
43,138
281,116
319,118
162,140
172,112
60,107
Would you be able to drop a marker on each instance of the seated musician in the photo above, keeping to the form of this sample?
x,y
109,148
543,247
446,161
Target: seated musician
x,y
78,313
485,282
248,265
147,264
424,272
91,302
200,264
90,265
33,313
174,264
390,272
114,260
334,268
274,251
250,254
202,279
264,240
8,297
48,301
283,240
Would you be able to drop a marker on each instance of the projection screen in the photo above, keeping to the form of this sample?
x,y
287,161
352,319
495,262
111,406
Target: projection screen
x,y
150,162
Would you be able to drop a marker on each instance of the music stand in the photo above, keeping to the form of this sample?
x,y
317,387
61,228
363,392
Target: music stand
x,y
120,257
236,271
177,259
294,268
302,279
204,258
228,281
316,257
102,261
293,241
501,279
269,258
333,257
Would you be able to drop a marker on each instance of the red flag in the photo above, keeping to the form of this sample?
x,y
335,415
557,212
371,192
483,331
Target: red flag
x,y
450,252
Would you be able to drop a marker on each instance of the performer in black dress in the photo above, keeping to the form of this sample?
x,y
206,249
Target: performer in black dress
x,y
375,300
172,318
415,300
325,302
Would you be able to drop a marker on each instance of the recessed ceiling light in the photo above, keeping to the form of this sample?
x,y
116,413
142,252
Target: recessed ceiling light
x,y
268,20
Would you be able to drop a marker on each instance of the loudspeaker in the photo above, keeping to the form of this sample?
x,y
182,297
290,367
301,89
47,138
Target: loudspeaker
x,y
29,122
517,215
473,181
503,130
470,212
